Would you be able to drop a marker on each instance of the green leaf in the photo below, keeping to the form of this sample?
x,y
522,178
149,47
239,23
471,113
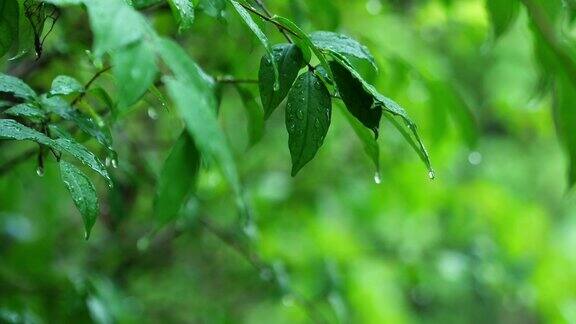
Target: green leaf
x,y
289,60
502,14
26,110
305,42
81,153
83,194
260,35
192,92
565,119
358,101
369,142
9,13
214,8
178,176
134,68
14,130
114,25
308,112
60,107
65,85
183,11
16,87
255,114
342,44
394,110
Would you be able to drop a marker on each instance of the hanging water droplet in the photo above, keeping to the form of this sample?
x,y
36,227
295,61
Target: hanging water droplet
x,y
40,171
431,175
288,301
114,163
475,158
107,161
377,178
152,113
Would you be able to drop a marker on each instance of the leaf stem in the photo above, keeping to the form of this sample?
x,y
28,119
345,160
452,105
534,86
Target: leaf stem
x,y
267,17
88,84
232,80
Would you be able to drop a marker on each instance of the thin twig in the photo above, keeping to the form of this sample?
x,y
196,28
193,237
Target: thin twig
x,y
88,84
257,263
269,14
282,28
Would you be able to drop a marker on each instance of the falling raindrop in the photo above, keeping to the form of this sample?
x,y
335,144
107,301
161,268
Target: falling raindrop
x,y
377,178
40,171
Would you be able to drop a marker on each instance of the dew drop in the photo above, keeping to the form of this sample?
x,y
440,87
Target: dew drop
x,y
288,301
475,158
40,171
107,161
114,163
300,114
152,113
431,175
377,178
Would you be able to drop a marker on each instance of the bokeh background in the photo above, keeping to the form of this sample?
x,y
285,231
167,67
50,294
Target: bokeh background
x,y
490,240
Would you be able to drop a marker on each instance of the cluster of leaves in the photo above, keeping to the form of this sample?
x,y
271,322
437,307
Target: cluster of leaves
x,y
135,52
556,56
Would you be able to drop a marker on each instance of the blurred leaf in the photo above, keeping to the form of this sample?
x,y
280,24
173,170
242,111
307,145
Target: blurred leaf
x,y
289,60
445,97
134,68
183,11
16,87
255,114
83,194
214,8
565,118
342,44
502,13
260,35
65,85
9,13
308,112
193,96
114,25
358,101
369,142
178,176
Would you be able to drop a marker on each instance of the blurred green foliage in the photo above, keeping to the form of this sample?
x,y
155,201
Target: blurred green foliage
x,y
491,85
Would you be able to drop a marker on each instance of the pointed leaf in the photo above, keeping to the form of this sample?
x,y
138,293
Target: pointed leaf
x,y
288,58
308,112
14,130
134,68
255,114
26,110
342,44
65,85
358,101
177,178
395,110
83,194
16,87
